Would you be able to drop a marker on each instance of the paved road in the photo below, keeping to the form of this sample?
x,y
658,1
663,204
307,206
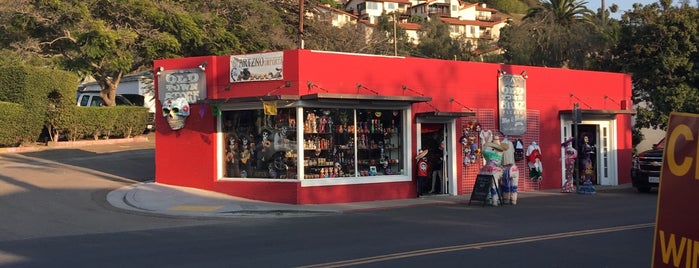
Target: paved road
x,y
63,192
54,213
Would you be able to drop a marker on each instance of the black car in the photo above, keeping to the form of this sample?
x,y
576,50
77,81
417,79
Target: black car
x,y
645,170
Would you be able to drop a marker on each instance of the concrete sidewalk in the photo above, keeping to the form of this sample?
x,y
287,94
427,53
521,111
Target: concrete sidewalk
x,y
151,197
157,198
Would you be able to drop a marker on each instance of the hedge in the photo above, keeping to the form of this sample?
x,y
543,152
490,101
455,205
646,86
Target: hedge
x,y
33,98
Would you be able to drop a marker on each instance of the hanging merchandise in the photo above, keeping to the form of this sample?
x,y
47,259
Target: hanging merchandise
x,y
510,176
533,155
486,137
569,160
519,150
508,157
466,148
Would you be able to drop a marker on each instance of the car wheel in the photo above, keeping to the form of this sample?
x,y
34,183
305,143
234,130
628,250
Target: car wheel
x,y
643,189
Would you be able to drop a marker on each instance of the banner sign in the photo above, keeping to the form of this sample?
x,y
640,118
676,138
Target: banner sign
x,y
512,104
676,237
187,83
257,67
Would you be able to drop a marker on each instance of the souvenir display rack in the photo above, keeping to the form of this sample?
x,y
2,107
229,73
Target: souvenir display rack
x,y
331,143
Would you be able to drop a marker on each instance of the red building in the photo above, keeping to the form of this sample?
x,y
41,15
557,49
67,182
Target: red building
x,y
305,127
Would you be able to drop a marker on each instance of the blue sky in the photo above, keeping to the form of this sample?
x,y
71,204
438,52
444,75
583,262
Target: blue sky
x,y
624,5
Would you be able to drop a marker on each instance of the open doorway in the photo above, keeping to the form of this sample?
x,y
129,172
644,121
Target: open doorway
x,y
433,137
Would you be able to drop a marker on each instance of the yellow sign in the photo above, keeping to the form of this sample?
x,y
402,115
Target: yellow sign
x,y
676,238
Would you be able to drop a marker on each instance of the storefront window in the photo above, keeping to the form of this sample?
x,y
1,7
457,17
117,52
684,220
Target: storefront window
x,y
259,145
351,143
336,143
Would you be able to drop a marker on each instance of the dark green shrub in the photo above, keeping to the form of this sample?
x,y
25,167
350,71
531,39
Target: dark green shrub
x,y
41,91
12,128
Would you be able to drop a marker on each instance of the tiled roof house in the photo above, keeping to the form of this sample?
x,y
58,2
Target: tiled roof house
x,y
472,21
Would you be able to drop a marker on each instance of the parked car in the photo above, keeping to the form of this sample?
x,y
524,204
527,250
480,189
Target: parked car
x,y
141,100
92,98
645,168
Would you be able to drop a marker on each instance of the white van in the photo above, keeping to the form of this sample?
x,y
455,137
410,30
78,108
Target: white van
x,y
92,98
138,89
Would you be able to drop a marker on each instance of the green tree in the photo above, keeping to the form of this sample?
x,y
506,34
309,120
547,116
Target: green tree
x,y
436,42
259,25
323,36
563,12
559,33
108,39
387,38
659,47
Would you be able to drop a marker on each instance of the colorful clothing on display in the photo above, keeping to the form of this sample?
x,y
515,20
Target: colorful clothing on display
x,y
570,155
534,161
492,167
510,180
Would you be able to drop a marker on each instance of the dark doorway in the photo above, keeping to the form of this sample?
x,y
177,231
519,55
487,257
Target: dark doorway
x,y
432,138
587,152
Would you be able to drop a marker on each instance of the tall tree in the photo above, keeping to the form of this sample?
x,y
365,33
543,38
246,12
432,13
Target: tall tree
x,y
107,39
436,42
563,12
659,46
559,33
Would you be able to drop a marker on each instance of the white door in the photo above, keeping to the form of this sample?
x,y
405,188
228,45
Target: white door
x,y
605,148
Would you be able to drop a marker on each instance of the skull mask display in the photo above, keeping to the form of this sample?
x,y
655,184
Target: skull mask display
x,y
176,112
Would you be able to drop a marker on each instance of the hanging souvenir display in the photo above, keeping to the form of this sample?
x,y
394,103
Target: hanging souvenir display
x,y
569,159
533,155
519,150
470,146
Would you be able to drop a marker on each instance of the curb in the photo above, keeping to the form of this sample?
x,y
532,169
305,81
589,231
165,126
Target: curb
x,y
70,144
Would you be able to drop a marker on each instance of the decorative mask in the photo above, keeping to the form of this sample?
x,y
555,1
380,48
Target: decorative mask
x,y
176,112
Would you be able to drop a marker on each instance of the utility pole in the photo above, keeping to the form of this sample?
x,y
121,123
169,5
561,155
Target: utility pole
x,y
395,38
301,15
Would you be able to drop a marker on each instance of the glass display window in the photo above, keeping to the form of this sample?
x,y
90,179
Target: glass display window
x,y
259,145
351,143
332,143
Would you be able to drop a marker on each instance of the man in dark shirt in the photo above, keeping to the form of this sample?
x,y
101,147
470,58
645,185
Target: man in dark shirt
x,y
438,166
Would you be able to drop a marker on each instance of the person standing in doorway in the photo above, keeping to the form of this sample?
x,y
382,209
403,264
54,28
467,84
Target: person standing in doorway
x,y
422,170
438,167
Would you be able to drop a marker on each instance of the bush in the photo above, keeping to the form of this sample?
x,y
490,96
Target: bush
x,y
13,130
40,91
105,122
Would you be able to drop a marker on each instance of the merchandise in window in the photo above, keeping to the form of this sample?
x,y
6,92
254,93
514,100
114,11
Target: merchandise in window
x,y
351,143
259,145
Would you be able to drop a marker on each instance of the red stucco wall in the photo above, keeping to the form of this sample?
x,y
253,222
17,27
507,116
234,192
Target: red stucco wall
x,y
187,156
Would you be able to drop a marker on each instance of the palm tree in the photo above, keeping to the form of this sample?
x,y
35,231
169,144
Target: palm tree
x,y
564,12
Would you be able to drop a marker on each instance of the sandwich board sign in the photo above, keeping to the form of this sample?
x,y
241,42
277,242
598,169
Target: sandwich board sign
x,y
676,236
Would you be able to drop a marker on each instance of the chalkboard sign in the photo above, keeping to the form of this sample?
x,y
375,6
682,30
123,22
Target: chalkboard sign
x,y
481,188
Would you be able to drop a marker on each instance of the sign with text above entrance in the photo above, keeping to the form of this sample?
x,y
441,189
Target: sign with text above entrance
x,y
676,238
512,104
189,84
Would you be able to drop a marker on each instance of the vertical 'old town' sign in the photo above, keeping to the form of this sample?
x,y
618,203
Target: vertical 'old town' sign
x,y
512,104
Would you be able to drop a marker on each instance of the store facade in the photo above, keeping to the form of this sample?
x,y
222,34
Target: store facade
x,y
307,127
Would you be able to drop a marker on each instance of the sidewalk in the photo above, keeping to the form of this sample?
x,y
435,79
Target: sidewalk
x,y
151,197
157,198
